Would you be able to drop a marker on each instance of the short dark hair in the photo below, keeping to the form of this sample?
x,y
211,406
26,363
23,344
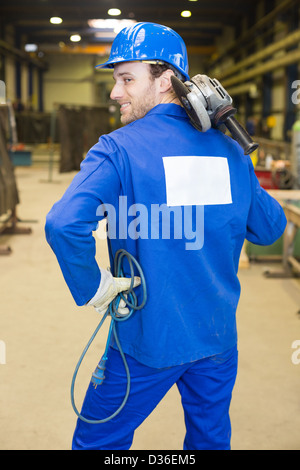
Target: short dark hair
x,y
156,70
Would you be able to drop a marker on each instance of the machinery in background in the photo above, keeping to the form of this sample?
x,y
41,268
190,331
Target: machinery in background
x,y
295,154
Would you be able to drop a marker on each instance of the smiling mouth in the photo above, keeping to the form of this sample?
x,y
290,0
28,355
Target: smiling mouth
x,y
124,106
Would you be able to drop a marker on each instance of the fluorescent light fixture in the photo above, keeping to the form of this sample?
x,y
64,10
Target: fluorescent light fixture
x,y
75,38
55,20
186,13
110,24
114,12
30,47
105,35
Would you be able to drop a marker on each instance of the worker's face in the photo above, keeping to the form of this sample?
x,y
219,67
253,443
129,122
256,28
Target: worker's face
x,y
134,90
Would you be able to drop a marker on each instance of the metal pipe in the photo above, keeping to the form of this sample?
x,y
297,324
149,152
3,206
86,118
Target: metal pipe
x,y
264,21
250,88
289,41
290,58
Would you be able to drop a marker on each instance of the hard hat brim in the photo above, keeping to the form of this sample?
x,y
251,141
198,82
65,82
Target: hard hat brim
x,y
109,64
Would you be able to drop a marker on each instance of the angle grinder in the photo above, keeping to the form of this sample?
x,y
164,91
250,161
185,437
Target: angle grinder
x,y
208,105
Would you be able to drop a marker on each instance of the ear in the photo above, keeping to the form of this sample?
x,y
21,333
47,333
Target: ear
x,y
165,81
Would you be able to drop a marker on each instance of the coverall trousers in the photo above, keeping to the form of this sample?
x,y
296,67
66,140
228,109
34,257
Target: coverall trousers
x,y
205,387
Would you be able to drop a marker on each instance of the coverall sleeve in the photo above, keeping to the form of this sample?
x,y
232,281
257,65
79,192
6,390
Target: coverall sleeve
x,y
72,220
266,219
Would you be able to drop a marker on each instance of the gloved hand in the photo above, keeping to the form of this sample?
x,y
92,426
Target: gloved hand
x,y
109,288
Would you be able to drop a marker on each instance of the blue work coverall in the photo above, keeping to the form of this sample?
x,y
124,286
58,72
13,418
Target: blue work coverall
x,y
182,203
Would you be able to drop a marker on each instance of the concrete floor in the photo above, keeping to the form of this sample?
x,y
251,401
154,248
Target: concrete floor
x,y
44,333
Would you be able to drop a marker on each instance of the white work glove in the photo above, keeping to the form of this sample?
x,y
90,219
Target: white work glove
x,y
109,288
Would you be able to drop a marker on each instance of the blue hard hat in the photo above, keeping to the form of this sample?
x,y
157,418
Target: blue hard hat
x,y
147,42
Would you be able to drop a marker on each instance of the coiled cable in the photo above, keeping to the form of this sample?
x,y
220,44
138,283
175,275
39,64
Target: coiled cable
x,y
130,299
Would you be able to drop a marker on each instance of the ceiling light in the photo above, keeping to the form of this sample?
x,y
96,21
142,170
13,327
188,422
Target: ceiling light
x,y
75,38
55,20
114,12
186,13
30,47
110,24
105,34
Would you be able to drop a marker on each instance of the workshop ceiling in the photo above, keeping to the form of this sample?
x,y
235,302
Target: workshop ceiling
x,y
200,31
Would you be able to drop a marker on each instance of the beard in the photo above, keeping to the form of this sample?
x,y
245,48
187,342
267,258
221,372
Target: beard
x,y
139,107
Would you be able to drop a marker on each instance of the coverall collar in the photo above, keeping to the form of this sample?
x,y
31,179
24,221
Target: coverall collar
x,y
171,109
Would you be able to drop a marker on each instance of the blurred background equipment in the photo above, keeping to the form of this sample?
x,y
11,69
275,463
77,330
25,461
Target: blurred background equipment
x,y
9,195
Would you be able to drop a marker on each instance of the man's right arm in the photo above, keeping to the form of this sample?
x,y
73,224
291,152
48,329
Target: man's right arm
x,y
266,219
72,220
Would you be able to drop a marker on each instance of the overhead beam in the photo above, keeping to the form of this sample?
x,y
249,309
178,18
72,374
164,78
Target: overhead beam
x,y
289,58
104,49
249,33
281,45
19,9
7,48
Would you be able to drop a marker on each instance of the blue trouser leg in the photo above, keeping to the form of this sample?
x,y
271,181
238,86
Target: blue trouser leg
x,y
197,382
206,390
148,387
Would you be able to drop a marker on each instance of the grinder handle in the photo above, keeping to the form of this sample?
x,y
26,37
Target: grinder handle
x,y
240,135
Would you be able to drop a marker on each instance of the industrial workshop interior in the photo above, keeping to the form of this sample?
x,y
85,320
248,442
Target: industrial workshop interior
x,y
54,106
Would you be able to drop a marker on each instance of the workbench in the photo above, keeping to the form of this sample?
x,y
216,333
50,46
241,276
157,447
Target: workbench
x,y
290,201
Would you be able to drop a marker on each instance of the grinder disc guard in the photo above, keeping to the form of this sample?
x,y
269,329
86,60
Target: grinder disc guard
x,y
182,92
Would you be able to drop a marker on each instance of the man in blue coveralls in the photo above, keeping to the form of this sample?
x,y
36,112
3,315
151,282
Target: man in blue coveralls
x,y
198,198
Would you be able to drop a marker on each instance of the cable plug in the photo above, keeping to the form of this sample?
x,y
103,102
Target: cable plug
x,y
98,375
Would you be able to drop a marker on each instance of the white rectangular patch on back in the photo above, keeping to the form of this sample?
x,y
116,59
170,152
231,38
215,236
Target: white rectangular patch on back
x,y
197,181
